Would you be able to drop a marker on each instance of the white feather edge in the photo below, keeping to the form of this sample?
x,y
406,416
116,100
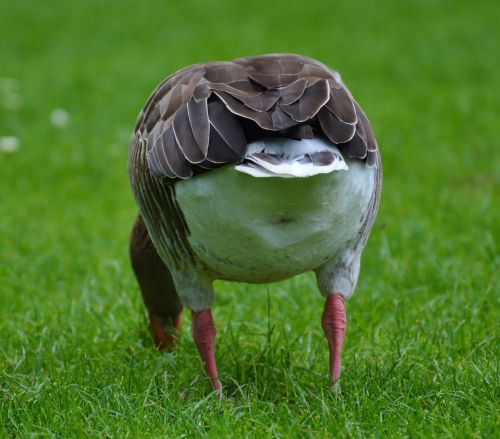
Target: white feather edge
x,y
292,151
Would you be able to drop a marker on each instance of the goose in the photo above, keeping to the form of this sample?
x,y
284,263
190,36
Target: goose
x,y
253,170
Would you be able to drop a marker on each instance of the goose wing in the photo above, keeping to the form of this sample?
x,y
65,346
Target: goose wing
x,y
202,117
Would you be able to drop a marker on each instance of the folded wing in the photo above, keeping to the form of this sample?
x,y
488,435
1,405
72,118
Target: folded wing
x,y
202,117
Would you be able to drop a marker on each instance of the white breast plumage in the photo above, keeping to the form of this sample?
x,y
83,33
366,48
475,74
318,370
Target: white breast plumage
x,y
265,229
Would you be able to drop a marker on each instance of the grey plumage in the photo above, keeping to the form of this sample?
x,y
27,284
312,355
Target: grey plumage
x,y
175,159
341,104
185,137
226,125
194,119
198,119
305,108
336,130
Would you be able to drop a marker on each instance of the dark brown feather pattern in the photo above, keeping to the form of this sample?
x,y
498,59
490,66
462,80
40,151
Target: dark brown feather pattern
x,y
185,137
227,126
195,119
314,97
336,130
198,119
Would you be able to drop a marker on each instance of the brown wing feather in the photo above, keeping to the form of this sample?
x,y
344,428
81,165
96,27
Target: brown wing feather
x,y
261,102
356,148
227,126
185,137
293,92
363,145
341,104
314,97
366,128
237,107
336,130
200,117
157,159
173,155
281,120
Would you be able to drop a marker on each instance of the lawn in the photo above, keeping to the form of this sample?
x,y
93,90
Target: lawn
x,y
421,353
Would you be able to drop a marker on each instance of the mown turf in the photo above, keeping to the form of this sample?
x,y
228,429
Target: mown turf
x,y
421,357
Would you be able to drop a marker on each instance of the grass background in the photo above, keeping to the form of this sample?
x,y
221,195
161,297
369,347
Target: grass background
x,y
421,354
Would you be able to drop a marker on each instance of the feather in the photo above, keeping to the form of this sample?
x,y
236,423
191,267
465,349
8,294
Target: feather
x,y
272,160
157,160
250,98
198,119
246,86
202,91
315,71
281,120
273,80
341,104
205,164
323,158
175,159
298,132
218,150
365,129
160,91
191,83
174,102
355,148
336,130
163,104
156,133
371,142
288,158
262,102
293,92
236,92
371,158
312,100
227,126
255,100
290,65
335,81
360,130
224,72
236,107
185,137
271,64
152,119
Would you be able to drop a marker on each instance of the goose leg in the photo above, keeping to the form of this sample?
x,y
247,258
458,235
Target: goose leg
x,y
204,336
157,288
334,326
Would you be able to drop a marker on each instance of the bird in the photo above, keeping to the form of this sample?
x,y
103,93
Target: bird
x,y
252,170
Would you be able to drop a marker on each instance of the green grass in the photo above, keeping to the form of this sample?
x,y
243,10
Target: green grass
x,y
421,356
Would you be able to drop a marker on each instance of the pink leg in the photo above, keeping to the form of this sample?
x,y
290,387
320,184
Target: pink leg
x,y
204,337
334,325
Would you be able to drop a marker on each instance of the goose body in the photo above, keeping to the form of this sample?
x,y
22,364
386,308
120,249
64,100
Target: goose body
x,y
254,170
258,230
